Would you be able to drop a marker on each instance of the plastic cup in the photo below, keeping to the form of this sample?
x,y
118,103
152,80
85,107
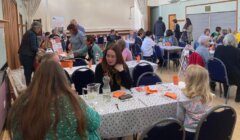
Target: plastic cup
x,y
175,79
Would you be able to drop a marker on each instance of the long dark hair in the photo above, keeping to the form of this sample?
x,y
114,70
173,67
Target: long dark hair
x,y
110,70
32,113
188,23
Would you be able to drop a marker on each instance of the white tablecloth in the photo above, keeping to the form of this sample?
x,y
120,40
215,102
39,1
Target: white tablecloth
x,y
131,65
137,113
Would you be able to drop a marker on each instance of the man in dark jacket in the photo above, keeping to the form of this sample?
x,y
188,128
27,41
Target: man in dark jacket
x,y
177,32
28,49
230,55
159,29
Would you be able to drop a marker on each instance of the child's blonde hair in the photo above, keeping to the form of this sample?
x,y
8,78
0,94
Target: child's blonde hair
x,y
197,83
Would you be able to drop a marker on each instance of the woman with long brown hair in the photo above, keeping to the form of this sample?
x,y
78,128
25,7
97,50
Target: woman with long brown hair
x,y
113,66
50,109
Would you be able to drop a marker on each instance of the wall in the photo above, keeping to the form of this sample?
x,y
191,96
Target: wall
x,y
92,14
179,8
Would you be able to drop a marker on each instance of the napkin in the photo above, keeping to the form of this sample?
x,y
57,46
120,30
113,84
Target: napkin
x,y
171,95
119,93
150,91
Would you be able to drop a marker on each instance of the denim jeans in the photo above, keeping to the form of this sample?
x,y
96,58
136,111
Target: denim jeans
x,y
28,66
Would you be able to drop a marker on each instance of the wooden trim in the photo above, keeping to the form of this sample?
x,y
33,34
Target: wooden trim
x,y
4,21
181,20
209,3
169,19
149,18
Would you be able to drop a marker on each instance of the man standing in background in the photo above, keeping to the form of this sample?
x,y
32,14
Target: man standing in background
x,y
159,29
79,27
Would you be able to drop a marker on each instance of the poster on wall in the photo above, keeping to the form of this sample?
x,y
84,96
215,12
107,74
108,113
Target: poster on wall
x,y
57,21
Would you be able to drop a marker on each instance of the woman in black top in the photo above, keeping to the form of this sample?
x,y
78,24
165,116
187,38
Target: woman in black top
x,y
113,66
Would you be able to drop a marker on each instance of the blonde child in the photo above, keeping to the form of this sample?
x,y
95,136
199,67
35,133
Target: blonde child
x,y
198,91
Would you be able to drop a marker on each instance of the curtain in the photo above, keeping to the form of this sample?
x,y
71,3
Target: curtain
x,y
10,13
31,8
141,5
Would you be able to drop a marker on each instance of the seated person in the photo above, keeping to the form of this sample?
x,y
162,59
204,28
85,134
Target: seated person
x,y
114,67
170,39
198,92
118,36
215,34
147,47
92,49
202,49
138,43
230,55
112,36
54,34
50,109
126,53
46,43
220,38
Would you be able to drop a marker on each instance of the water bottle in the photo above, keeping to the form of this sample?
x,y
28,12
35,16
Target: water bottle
x,y
97,58
106,89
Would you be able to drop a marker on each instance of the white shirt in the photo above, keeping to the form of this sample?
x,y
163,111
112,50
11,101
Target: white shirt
x,y
147,46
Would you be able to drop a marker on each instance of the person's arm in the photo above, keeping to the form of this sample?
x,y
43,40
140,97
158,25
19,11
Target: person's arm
x,y
93,119
98,78
80,52
180,112
164,28
98,49
175,42
33,42
126,80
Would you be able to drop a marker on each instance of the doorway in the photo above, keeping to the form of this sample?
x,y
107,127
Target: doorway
x,y
171,17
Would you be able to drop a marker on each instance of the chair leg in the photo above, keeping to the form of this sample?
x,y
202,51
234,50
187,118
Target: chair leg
x,y
220,87
228,92
135,136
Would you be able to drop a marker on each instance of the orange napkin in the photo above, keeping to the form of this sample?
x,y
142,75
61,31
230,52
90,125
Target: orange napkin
x,y
67,63
150,91
171,95
118,94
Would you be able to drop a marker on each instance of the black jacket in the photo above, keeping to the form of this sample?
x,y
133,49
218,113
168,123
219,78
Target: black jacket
x,y
159,28
177,32
29,45
231,58
126,80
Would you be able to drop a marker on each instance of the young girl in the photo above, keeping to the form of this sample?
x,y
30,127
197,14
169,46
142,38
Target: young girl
x,y
113,66
198,91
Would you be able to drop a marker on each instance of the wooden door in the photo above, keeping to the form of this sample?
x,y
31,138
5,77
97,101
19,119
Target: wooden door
x,y
11,32
170,21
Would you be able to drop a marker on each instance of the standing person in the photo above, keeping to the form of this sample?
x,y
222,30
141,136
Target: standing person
x,y
77,39
28,49
79,27
177,32
50,109
159,29
198,92
92,49
114,67
187,36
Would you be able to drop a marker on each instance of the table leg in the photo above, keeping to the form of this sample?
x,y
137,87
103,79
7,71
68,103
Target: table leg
x,y
168,60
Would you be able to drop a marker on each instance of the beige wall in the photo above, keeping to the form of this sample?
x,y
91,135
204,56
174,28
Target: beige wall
x,y
92,14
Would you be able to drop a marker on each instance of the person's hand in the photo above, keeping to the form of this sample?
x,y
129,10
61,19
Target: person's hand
x,y
70,47
119,67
